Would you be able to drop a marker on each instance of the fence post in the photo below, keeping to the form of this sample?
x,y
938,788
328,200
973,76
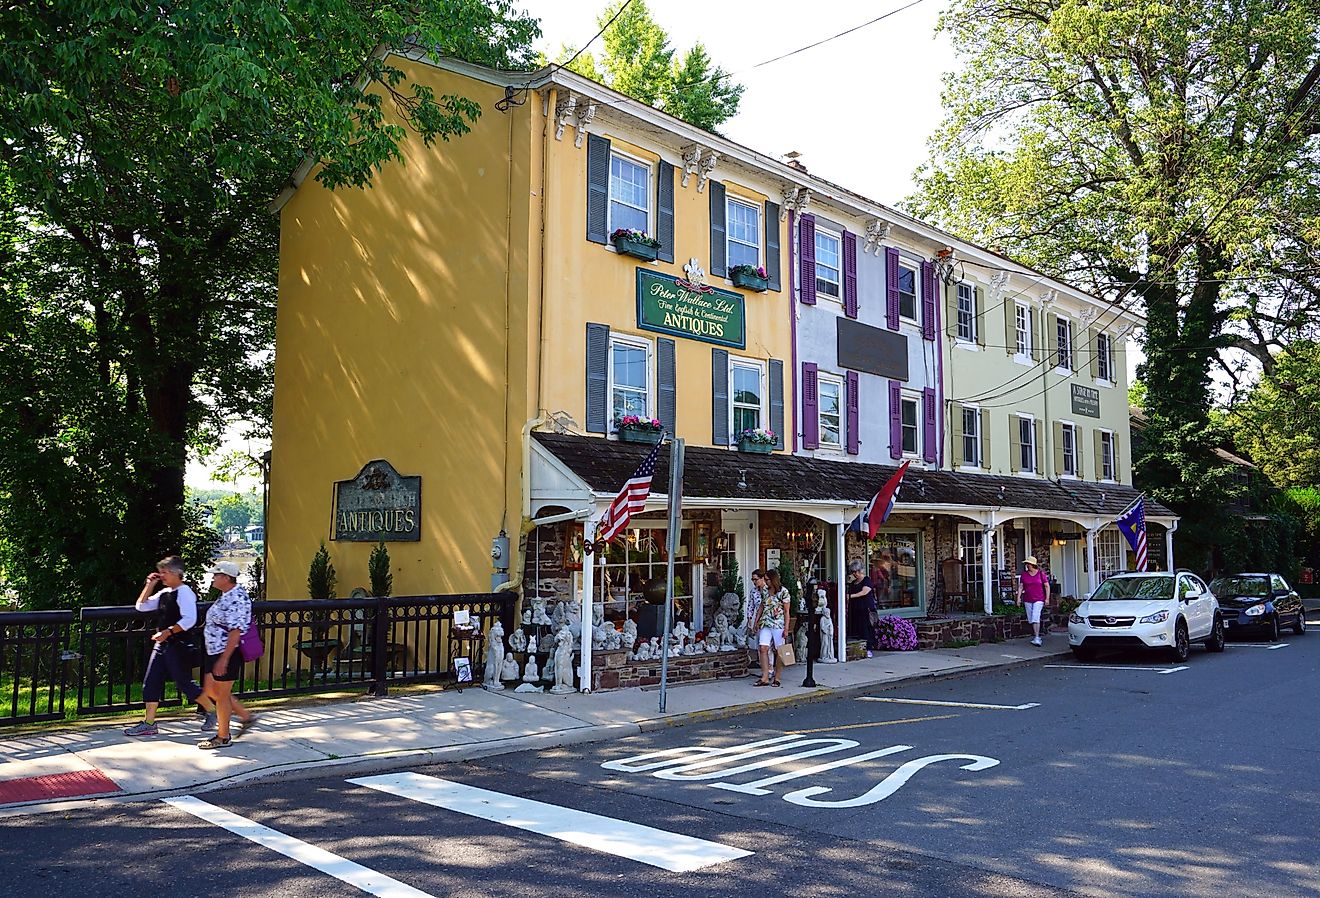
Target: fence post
x,y
380,648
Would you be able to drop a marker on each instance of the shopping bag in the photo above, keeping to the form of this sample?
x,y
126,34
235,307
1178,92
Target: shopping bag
x,y
784,653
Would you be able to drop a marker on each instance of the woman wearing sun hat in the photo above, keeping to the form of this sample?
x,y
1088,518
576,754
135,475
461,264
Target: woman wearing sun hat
x,y
1033,586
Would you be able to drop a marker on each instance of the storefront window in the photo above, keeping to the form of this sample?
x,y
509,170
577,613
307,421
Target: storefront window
x,y
969,544
636,560
895,567
1109,549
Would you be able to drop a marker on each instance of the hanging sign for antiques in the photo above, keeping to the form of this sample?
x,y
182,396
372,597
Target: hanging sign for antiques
x,y
1085,401
378,504
689,309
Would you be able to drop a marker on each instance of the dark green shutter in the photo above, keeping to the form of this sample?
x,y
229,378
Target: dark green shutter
x,y
666,384
772,262
598,368
718,247
664,212
777,401
598,188
719,400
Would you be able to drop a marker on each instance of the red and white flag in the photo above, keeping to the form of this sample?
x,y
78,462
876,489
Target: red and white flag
x,y
631,499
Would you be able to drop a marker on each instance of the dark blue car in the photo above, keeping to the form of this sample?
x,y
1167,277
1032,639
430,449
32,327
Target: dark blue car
x,y
1259,603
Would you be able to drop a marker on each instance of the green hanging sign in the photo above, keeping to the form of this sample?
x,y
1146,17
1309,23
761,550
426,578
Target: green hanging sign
x,y
671,305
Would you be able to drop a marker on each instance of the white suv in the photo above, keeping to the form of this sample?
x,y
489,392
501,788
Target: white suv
x,y
1147,611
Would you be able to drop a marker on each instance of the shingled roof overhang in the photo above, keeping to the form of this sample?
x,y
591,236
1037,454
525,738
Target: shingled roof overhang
x,y
718,476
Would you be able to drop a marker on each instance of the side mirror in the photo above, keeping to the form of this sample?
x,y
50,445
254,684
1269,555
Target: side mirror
x,y
1193,593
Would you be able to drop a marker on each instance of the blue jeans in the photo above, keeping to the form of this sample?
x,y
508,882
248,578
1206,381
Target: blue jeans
x,y
173,662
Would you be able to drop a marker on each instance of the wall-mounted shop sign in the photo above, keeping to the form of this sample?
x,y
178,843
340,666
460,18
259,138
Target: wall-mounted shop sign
x,y
378,504
672,305
1085,401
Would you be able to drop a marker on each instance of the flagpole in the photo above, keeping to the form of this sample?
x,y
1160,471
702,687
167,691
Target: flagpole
x,y
676,448
1131,505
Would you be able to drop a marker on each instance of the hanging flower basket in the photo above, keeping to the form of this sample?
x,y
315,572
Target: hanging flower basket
x,y
637,244
749,278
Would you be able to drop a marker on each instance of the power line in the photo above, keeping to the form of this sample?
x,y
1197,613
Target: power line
x,y
603,28
828,39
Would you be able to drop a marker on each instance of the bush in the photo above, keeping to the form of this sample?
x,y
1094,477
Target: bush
x,y
896,634
378,570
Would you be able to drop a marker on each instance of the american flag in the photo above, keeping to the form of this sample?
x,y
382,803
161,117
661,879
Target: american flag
x,y
631,499
1132,524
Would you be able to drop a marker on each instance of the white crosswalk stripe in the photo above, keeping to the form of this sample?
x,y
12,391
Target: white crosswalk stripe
x,y
657,847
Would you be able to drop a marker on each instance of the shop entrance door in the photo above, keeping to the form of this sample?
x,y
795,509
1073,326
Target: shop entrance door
x,y
744,543
1068,578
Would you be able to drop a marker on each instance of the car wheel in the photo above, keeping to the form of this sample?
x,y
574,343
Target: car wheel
x,y
1182,645
1300,627
1083,653
1274,628
1216,641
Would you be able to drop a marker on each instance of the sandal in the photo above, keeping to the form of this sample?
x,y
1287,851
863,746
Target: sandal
x,y
761,683
776,683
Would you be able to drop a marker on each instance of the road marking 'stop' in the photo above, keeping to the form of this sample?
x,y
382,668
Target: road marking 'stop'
x,y
916,701
657,847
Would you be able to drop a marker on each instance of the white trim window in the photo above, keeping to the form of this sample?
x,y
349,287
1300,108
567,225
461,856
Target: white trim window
x,y
829,393
910,407
1111,558
969,555
1108,459
742,232
908,279
829,264
971,436
1027,437
1068,447
630,193
747,396
967,313
630,378
1063,344
1022,335
1104,359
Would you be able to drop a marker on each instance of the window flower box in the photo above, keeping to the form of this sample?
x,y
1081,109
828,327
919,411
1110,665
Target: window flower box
x,y
759,441
749,278
635,429
637,244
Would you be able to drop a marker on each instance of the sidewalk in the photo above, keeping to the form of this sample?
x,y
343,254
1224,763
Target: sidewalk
x,y
49,772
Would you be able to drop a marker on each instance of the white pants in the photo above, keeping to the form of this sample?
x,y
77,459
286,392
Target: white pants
x,y
771,637
1033,612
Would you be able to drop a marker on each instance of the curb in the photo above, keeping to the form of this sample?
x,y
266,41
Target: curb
x,y
390,761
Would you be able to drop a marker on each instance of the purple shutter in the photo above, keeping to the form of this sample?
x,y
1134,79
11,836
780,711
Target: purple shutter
x,y
895,419
854,438
810,403
930,447
850,274
891,289
928,283
807,259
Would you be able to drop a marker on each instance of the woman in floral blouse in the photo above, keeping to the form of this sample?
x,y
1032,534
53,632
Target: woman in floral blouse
x,y
773,623
226,622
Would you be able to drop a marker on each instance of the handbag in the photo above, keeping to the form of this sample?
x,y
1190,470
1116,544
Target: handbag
x,y
250,646
784,654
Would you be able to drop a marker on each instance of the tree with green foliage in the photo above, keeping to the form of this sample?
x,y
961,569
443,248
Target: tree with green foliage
x,y
140,145
321,577
1278,425
378,571
1151,153
639,61
233,513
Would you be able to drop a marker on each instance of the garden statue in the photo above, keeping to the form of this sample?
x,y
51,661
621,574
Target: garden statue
x,y
630,634
527,615
530,673
800,641
563,663
518,641
539,617
548,670
509,671
494,657
827,655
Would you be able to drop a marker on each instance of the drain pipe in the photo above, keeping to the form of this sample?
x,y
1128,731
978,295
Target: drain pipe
x,y
526,525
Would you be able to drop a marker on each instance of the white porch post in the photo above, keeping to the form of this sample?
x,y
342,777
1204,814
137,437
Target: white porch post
x,y
588,591
1168,545
841,625
988,587
698,597
1092,567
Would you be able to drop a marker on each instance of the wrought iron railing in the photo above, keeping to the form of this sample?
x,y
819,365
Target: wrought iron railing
x,y
56,664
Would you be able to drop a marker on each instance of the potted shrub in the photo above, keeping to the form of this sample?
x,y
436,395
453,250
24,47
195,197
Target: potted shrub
x,y
757,439
750,277
321,582
638,244
635,429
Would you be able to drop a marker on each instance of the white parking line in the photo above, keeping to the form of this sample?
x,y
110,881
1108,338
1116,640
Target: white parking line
x,y
344,870
657,847
916,701
1271,646
1158,670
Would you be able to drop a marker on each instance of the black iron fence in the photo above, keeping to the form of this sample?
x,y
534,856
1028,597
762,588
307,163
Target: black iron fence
x,y
58,664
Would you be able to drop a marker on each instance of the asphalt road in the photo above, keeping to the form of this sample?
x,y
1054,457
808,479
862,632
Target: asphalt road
x,y
1128,778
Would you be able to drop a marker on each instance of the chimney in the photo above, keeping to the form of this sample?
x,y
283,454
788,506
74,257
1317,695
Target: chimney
x,y
794,159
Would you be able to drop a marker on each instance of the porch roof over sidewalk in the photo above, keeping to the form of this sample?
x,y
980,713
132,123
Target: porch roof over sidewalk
x,y
603,465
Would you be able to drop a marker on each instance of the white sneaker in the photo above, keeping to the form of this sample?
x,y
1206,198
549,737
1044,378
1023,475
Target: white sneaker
x,y
1036,641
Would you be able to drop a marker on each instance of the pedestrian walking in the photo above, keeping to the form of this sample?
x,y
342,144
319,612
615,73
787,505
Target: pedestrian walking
x,y
774,625
1033,587
226,622
862,607
175,607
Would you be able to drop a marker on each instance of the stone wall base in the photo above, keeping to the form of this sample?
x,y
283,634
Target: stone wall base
x,y
934,634
612,670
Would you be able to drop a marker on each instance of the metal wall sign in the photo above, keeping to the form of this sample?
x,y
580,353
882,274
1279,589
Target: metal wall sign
x,y
671,305
378,504
1085,401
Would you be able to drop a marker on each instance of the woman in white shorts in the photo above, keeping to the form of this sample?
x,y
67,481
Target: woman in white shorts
x,y
774,623
1033,587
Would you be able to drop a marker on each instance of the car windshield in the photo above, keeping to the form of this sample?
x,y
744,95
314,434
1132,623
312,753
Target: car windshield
x,y
1240,586
1120,588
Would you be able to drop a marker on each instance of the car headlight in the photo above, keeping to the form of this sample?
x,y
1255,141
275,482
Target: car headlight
x,y
1256,610
1076,618
1158,617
